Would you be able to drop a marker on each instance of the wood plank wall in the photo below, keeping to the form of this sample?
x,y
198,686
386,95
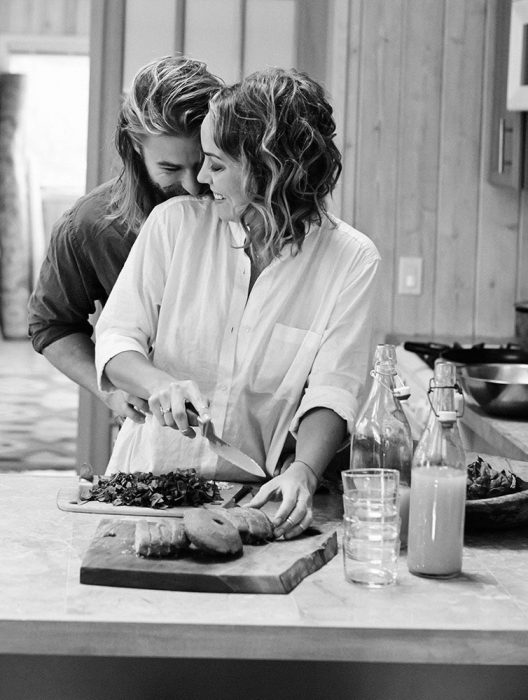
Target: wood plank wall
x,y
411,82
414,105
53,17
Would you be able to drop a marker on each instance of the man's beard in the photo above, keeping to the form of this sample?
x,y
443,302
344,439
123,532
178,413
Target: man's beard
x,y
161,194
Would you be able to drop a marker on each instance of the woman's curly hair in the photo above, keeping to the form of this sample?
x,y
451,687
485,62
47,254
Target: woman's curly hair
x,y
168,97
279,125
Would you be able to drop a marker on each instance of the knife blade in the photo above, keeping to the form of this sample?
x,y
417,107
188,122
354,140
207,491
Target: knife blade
x,y
224,449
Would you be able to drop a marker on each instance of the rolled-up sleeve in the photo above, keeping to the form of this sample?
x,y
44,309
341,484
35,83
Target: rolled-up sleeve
x,y
61,302
340,366
130,317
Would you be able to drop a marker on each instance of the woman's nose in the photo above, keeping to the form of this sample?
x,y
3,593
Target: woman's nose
x,y
203,175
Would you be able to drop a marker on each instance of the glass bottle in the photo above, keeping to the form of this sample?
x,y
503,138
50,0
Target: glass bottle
x,y
438,490
382,434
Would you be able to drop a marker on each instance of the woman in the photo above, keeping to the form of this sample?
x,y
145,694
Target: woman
x,y
255,306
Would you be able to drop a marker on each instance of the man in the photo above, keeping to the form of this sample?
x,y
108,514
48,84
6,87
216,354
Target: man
x,y
158,141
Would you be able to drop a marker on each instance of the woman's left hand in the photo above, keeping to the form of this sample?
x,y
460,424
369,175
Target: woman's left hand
x,y
296,486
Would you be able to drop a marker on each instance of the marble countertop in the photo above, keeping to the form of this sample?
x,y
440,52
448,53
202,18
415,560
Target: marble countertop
x,y
509,436
479,618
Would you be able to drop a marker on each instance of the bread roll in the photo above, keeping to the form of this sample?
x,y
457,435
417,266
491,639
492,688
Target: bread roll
x,y
253,524
160,538
210,531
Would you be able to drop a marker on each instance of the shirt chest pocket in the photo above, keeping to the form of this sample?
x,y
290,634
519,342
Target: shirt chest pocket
x,y
286,361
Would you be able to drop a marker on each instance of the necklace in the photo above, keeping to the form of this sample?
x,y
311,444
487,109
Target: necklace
x,y
257,258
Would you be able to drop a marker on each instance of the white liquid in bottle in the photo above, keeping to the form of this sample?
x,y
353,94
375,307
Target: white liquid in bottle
x,y
436,522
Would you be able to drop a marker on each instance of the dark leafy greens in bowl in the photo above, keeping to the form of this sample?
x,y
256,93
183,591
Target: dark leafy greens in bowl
x,y
496,499
483,481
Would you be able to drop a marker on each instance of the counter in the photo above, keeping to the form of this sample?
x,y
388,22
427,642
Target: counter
x,y
480,431
479,619
483,432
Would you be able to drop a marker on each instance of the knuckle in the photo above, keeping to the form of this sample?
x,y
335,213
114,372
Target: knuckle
x,y
180,417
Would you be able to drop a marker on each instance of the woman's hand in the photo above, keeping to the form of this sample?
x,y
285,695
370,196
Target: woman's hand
x,y
178,404
296,486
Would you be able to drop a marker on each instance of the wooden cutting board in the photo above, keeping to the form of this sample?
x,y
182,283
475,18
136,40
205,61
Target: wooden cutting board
x,y
68,499
275,567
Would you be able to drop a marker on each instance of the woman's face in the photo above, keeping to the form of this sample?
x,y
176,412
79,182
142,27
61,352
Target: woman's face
x,y
223,174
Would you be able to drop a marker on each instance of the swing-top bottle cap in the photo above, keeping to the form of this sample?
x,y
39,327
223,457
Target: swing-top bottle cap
x,y
447,416
402,391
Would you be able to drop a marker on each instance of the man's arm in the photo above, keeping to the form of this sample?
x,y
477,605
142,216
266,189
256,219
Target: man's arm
x,y
74,356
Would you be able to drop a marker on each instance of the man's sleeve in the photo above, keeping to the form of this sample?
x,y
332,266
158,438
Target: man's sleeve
x,y
61,302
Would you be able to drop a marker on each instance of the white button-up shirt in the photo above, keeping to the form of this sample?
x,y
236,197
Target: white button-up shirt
x,y
299,340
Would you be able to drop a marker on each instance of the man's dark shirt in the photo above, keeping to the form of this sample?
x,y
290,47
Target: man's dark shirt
x,y
84,258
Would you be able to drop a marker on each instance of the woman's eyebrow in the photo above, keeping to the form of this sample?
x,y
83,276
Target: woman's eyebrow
x,y
212,155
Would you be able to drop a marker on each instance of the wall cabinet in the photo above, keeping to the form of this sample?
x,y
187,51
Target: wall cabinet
x,y
507,128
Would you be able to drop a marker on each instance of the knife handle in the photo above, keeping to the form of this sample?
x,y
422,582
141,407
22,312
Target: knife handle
x,y
194,417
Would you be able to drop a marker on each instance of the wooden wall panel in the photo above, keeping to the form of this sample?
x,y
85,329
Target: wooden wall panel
x,y
377,151
312,18
213,33
454,302
269,37
150,33
416,148
341,82
69,17
417,193
521,289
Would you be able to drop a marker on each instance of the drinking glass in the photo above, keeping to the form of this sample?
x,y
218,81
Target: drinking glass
x,y
371,523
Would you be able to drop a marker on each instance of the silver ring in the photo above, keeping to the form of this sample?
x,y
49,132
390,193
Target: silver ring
x,y
290,521
165,410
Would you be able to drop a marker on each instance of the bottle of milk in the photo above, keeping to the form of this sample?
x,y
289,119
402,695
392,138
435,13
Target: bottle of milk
x,y
382,435
438,485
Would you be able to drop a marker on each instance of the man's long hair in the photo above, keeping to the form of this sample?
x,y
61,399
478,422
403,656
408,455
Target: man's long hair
x,y
168,97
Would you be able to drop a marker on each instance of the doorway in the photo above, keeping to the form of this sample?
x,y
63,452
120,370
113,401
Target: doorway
x,y
49,51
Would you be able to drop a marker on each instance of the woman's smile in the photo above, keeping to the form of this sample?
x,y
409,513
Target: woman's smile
x,y
224,176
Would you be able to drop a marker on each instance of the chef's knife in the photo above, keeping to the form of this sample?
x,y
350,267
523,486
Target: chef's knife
x,y
224,449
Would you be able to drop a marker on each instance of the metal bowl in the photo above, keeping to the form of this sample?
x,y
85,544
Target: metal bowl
x,y
499,389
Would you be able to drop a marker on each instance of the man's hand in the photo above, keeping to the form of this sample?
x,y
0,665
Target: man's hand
x,y
126,406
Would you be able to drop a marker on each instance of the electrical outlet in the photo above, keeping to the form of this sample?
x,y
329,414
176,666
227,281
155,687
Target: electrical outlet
x,y
410,275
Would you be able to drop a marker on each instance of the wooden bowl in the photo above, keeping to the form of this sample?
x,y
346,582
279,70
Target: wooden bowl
x,y
502,512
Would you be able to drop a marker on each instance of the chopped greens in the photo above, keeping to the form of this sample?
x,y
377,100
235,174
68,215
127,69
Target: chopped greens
x,y
178,488
485,482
